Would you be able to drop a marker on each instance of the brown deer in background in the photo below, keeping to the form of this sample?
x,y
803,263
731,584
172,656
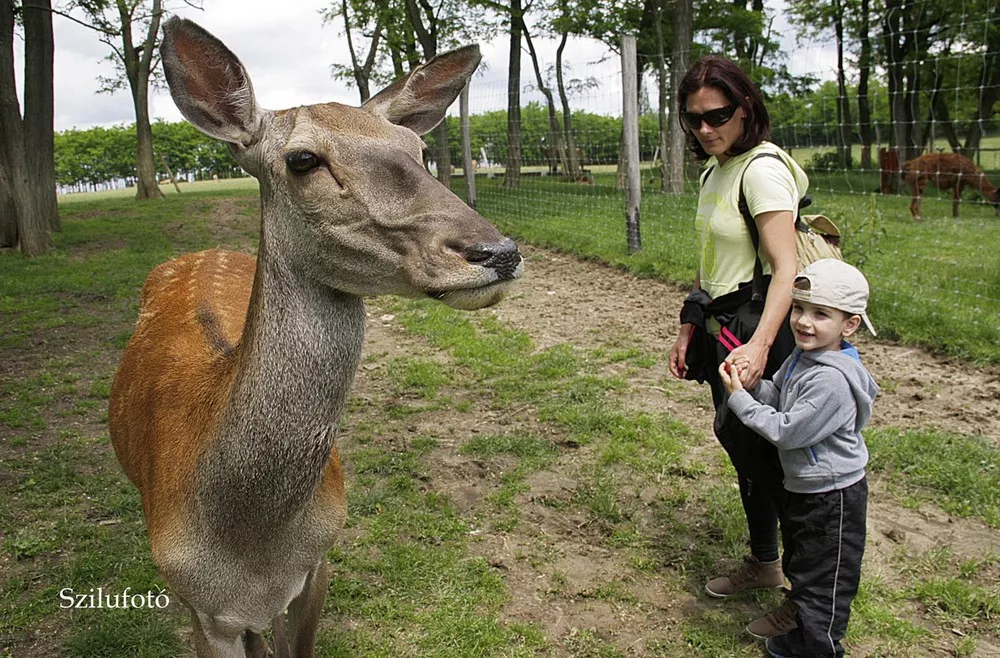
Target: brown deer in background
x,y
947,171
225,407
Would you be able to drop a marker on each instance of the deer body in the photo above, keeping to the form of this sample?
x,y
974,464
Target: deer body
x,y
224,410
947,171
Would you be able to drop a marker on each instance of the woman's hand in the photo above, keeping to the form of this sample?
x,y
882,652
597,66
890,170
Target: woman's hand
x,y
750,359
678,353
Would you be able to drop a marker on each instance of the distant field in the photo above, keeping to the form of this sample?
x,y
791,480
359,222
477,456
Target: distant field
x,y
222,185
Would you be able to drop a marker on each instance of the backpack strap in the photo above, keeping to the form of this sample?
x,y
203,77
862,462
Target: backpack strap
x,y
704,176
758,268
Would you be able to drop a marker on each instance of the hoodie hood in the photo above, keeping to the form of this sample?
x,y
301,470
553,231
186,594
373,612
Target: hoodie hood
x,y
848,361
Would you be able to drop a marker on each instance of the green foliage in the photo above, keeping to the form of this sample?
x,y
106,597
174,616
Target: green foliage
x,y
824,161
98,155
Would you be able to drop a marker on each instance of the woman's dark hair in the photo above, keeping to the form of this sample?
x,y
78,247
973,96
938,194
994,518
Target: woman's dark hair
x,y
727,77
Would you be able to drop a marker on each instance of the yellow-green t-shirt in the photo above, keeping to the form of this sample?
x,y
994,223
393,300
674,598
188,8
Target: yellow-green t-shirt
x,y
727,256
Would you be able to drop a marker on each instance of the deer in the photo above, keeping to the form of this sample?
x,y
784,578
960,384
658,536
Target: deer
x,y
948,171
225,407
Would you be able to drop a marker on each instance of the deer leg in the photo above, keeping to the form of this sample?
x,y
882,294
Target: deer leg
x,y
255,645
304,611
915,201
208,643
954,200
281,649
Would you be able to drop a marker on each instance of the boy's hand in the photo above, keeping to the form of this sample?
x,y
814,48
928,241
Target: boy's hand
x,y
729,373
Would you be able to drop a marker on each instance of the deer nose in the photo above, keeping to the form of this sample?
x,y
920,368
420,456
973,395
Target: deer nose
x,y
502,257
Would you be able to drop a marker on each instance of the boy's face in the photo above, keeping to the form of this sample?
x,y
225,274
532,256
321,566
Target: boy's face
x,y
821,328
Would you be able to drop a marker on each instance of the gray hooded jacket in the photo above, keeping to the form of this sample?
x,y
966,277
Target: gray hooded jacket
x,y
813,410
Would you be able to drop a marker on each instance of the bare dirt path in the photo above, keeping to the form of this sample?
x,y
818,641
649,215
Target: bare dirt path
x,y
593,306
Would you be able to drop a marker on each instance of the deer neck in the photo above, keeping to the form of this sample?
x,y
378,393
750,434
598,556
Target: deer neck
x,y
295,364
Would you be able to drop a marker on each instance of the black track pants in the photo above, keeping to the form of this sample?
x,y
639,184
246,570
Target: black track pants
x,y
824,539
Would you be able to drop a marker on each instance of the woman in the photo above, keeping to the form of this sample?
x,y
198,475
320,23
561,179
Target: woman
x,y
727,125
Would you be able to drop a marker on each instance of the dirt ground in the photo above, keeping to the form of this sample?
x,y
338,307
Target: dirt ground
x,y
589,305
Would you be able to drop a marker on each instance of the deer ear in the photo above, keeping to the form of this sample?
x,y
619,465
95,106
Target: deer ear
x,y
419,100
209,83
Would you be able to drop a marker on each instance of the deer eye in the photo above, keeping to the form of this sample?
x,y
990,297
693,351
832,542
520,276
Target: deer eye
x,y
302,162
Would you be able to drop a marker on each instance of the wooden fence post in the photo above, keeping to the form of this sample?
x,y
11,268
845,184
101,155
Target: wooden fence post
x,y
630,132
467,168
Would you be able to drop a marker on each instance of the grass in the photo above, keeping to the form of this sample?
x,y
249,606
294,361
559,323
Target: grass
x,y
934,283
961,474
491,481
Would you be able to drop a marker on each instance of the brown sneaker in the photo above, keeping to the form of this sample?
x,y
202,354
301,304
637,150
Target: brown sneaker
x,y
751,575
779,621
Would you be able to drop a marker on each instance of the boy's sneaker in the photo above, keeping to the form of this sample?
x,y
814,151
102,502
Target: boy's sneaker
x,y
779,621
777,647
751,575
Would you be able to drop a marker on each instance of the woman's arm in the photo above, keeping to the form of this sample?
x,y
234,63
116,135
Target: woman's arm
x,y
678,353
777,240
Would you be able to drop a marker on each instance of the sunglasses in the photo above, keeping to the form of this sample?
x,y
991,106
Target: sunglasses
x,y
715,118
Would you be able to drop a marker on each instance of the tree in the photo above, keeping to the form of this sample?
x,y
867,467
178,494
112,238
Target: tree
x,y
39,108
512,176
555,136
439,26
18,191
573,163
365,20
683,27
814,18
136,61
988,79
864,73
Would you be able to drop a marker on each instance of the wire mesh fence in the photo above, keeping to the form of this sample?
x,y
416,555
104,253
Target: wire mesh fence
x,y
935,281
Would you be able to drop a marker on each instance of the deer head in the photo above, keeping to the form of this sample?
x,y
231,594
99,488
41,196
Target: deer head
x,y
346,200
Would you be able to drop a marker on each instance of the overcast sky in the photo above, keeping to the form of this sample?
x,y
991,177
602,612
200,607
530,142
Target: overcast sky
x,y
288,52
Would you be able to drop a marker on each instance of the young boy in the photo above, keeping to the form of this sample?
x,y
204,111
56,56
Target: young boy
x,y
813,410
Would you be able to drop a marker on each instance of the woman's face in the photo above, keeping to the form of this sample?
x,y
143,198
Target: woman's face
x,y
716,140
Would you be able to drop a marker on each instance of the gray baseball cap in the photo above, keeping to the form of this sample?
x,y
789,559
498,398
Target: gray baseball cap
x,y
834,283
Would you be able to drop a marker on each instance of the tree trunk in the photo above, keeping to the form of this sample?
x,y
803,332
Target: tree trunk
x,y
442,153
843,102
572,162
913,81
39,109
512,177
938,116
891,28
137,69
661,89
8,214
8,204
32,230
683,28
555,131
989,90
864,71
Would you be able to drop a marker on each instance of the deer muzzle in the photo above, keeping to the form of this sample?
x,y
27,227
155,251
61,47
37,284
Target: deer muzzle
x,y
501,257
